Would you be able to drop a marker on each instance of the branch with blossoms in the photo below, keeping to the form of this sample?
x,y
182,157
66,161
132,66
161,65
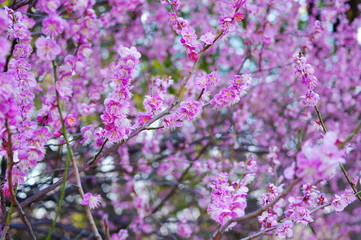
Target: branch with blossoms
x,y
178,119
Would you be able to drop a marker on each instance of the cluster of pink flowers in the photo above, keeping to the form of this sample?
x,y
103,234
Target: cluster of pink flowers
x,y
231,95
228,22
188,110
17,101
188,33
304,72
319,162
76,75
228,200
189,41
208,80
340,202
269,218
117,126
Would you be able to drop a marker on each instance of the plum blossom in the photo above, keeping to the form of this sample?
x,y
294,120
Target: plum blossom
x,y
47,49
172,121
310,99
228,200
53,26
317,162
189,109
285,230
93,201
207,38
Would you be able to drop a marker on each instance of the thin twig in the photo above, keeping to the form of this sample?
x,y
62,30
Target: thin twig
x,y
321,120
73,162
349,138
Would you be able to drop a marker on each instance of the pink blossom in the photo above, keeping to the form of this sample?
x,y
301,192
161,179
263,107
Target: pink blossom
x,y
241,82
48,6
285,230
152,103
228,201
71,120
339,203
310,99
349,196
238,17
53,26
299,214
47,49
213,78
21,31
87,133
319,161
208,38
93,201
172,121
225,97
189,109
143,118
22,50
189,36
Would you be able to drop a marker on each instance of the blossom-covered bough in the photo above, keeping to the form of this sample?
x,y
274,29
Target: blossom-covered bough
x,y
169,119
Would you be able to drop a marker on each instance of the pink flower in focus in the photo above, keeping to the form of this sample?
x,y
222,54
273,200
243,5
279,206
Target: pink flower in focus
x,y
91,200
310,99
22,50
70,120
299,215
189,109
53,26
339,203
349,196
238,17
213,78
21,31
152,103
47,49
225,97
144,118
